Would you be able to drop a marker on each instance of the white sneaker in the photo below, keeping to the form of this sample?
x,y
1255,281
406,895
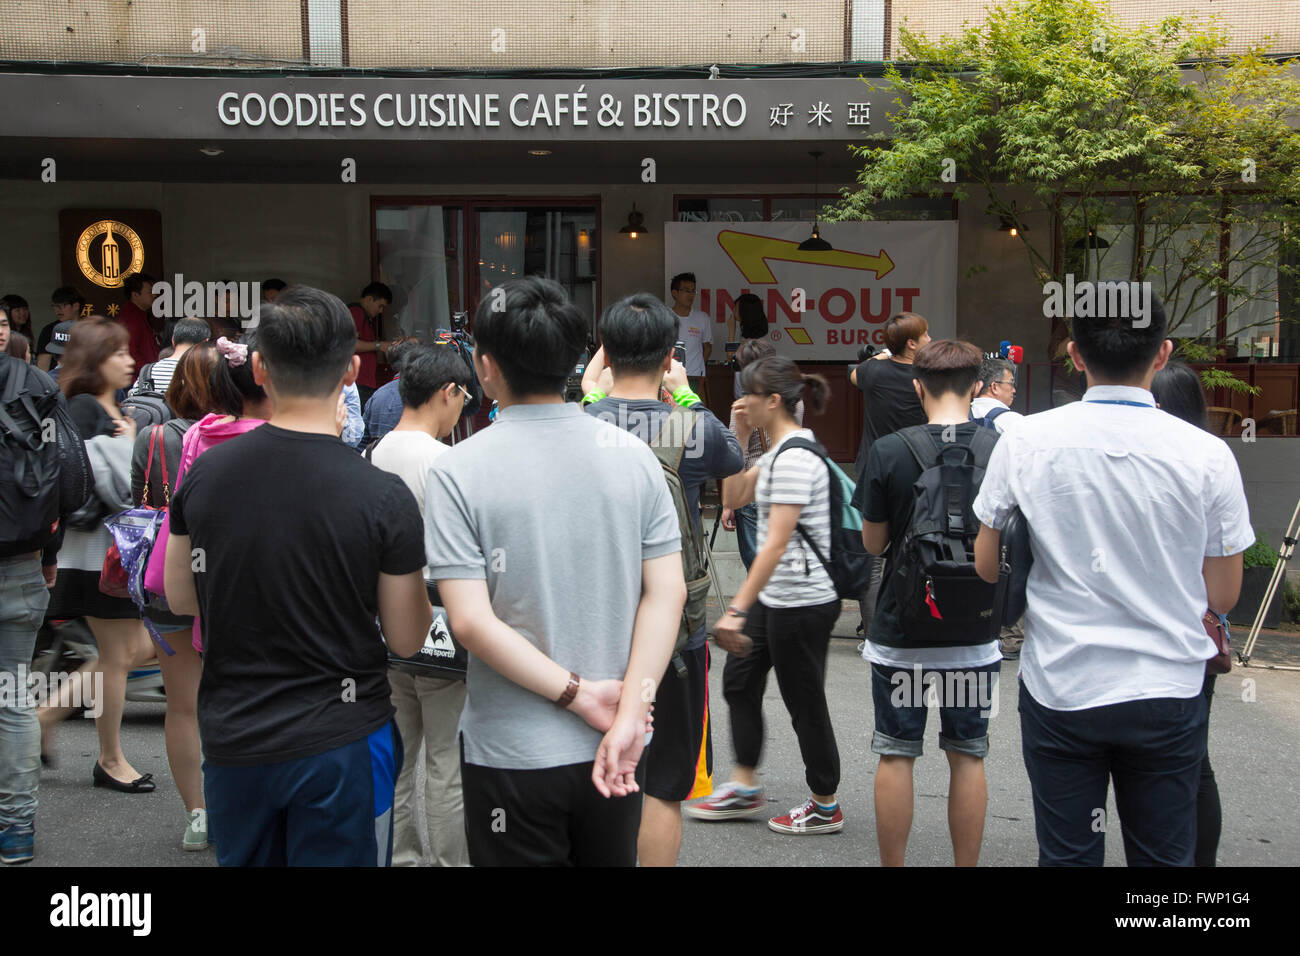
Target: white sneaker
x,y
196,832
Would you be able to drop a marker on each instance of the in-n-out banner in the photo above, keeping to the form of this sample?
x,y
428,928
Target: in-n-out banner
x,y
820,305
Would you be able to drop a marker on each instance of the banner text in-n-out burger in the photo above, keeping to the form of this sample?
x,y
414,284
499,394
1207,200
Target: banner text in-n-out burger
x,y
483,110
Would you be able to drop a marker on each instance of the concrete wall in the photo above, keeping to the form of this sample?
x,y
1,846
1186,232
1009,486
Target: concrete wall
x,y
593,34
1270,470
142,29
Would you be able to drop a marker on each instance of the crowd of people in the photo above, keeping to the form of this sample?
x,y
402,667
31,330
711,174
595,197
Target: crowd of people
x,y
290,631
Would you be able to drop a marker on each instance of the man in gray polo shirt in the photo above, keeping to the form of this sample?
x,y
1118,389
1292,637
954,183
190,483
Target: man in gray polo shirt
x,y
556,549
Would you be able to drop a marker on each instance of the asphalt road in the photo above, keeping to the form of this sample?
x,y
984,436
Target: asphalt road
x,y
1252,746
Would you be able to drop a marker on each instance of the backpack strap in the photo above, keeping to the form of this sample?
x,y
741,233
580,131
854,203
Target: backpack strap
x,y
991,416
921,444
144,381
820,451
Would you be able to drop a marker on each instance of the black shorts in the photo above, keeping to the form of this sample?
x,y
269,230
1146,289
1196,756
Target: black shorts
x,y
679,760
77,594
549,817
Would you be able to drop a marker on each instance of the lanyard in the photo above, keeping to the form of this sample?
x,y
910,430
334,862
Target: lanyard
x,y
1116,401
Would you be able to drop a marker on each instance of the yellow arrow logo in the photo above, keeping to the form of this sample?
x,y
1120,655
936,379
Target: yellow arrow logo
x,y
751,254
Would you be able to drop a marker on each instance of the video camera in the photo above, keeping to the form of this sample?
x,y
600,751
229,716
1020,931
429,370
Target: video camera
x,y
573,384
867,351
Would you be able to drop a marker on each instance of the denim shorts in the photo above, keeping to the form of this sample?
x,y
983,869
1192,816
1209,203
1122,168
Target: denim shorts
x,y
965,699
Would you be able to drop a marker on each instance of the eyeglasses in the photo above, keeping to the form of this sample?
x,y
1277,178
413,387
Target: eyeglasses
x,y
1008,384
465,392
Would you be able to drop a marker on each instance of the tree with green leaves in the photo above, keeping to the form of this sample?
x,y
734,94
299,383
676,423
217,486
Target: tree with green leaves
x,y
1155,156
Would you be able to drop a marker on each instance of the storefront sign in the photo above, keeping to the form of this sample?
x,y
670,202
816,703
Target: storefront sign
x,y
821,305
101,248
340,108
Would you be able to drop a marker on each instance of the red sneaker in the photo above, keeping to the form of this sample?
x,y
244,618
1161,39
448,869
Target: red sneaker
x,y
728,803
807,819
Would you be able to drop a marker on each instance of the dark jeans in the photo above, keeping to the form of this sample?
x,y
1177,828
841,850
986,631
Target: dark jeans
x,y
1153,750
794,642
1209,812
747,533
364,392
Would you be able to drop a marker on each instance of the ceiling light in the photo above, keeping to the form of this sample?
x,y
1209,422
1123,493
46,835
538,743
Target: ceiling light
x,y
211,151
539,152
815,242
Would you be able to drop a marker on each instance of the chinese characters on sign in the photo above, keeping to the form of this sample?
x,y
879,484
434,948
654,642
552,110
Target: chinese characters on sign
x,y
821,113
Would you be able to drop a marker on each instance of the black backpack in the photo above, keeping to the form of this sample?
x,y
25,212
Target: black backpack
x,y
148,409
941,600
849,564
44,471
145,382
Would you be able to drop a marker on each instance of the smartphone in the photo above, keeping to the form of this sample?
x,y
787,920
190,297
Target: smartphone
x,y
679,352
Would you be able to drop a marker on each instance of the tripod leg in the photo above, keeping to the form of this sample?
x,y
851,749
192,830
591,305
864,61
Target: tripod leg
x,y
1279,574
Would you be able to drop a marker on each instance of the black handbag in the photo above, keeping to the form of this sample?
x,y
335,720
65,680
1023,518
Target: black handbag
x,y
441,656
1018,559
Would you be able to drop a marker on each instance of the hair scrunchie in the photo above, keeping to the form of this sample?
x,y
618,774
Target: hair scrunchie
x,y
236,353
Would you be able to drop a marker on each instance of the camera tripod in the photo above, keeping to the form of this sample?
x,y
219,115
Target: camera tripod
x,y
1279,575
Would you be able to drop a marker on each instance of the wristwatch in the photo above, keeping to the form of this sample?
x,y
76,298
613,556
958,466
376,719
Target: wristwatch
x,y
570,691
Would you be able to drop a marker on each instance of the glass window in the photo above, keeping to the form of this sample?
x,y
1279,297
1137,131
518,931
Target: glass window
x,y
720,209
418,255
1254,316
558,243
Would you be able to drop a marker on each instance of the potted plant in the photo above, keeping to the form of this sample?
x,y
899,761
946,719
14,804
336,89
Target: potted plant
x,y
1258,562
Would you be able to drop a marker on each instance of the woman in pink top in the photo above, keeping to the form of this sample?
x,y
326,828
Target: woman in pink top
x,y
241,405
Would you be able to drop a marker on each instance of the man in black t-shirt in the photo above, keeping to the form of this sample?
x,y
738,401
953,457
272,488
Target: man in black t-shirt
x,y
300,748
886,386
964,675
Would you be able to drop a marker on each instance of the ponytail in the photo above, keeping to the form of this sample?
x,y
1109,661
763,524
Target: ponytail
x,y
817,393
778,375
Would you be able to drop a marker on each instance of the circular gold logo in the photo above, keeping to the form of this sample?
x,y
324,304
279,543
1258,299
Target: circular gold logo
x,y
112,267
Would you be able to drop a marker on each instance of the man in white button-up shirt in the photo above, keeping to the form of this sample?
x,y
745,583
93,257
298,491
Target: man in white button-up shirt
x,y
997,392
1137,522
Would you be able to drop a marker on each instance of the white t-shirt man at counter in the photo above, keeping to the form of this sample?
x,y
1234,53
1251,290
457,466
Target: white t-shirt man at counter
x,y
695,328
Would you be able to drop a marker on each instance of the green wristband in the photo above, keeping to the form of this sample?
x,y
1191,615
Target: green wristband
x,y
685,397
594,395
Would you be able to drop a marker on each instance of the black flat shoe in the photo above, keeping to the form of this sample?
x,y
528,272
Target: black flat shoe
x,y
139,785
